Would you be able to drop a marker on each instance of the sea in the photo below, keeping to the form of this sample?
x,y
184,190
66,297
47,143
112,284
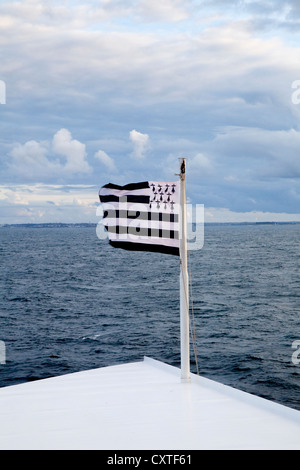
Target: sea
x,y
70,302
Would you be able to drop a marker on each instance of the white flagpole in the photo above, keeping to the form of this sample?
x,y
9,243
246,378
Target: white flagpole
x,y
184,281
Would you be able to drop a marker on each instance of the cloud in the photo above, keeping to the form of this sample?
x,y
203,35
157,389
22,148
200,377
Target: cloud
x,y
141,143
275,15
203,81
49,13
30,160
167,10
202,165
107,161
135,66
40,161
221,215
74,15
258,153
73,150
40,203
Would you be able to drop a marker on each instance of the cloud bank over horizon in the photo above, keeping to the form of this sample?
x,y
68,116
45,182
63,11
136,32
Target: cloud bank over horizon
x,y
118,91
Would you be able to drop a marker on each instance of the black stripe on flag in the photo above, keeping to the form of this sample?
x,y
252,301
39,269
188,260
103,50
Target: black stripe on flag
x,y
129,198
168,250
128,187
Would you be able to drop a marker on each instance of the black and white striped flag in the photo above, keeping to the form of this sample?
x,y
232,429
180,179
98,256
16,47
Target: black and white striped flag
x,y
142,216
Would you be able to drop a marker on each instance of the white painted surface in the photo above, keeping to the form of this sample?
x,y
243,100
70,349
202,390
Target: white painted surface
x,y
137,406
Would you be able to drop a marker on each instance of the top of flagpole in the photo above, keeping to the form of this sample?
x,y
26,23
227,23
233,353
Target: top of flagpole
x,y
182,168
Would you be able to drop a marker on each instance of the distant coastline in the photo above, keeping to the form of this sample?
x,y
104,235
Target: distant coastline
x,y
50,225
93,224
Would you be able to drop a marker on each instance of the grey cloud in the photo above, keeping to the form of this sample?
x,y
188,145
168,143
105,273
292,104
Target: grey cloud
x,y
261,14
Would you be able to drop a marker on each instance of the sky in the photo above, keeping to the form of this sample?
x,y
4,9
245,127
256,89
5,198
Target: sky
x,y
117,91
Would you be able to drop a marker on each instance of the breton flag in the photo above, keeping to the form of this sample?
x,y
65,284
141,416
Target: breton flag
x,y
142,216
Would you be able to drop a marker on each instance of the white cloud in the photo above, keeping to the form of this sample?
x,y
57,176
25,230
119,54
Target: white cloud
x,y
40,160
141,143
30,160
225,215
201,164
50,12
106,160
166,10
40,203
73,150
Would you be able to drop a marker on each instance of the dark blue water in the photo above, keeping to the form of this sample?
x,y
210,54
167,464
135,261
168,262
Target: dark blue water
x,y
69,302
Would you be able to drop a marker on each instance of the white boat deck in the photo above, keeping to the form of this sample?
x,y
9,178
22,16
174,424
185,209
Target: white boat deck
x,y
141,406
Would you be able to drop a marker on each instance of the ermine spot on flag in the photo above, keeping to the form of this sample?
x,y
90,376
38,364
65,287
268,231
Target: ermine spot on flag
x,y
142,216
